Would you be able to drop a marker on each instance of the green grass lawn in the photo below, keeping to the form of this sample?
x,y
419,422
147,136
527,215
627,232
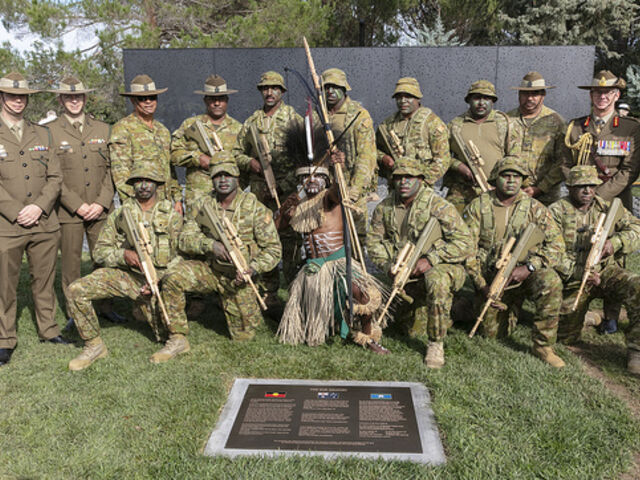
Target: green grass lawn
x,y
502,414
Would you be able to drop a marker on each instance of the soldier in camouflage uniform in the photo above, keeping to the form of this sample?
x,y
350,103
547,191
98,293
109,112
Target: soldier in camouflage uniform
x,y
139,138
401,217
490,130
577,216
421,134
357,147
272,122
542,139
494,217
121,275
215,274
185,150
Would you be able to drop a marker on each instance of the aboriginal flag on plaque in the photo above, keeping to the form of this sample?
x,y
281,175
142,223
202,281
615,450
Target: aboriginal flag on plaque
x,y
275,395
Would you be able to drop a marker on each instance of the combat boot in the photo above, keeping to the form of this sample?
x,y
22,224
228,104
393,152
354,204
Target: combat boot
x,y
633,362
93,350
592,319
546,354
435,355
176,345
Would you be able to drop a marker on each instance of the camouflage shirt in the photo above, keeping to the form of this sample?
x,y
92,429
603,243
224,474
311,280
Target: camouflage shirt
x,y
274,129
496,137
255,227
484,216
162,223
542,142
422,136
577,229
185,151
359,146
132,141
387,235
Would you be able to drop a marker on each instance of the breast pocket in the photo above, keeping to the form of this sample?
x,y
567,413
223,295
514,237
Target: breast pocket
x,y
39,163
9,168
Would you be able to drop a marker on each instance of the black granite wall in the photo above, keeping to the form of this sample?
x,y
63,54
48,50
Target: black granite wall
x,y
444,73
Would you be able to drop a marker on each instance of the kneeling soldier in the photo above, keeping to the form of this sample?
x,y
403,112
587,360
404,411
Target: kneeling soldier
x,y
578,217
439,272
494,218
249,231
115,250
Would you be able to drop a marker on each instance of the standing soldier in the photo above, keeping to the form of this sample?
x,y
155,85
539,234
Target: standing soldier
x,y
215,273
122,273
30,181
493,218
606,140
358,145
138,138
542,139
186,148
439,273
491,132
610,143
413,131
80,143
577,215
270,123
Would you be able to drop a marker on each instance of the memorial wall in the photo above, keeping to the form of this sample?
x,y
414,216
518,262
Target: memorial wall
x,y
444,73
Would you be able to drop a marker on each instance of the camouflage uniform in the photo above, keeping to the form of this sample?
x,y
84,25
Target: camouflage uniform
x,y
117,279
131,142
495,137
274,128
542,287
617,283
392,225
542,143
358,145
423,136
262,251
186,153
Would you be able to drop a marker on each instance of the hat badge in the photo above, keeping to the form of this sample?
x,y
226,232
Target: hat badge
x,y
16,84
146,87
217,90
602,82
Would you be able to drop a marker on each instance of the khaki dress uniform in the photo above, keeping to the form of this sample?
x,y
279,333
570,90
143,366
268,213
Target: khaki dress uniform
x,y
86,178
29,174
614,147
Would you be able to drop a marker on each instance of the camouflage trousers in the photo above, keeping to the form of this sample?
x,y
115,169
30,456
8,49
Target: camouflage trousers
x,y
239,304
616,284
432,296
106,283
544,289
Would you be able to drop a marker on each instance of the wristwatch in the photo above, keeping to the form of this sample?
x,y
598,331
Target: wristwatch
x,y
531,268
